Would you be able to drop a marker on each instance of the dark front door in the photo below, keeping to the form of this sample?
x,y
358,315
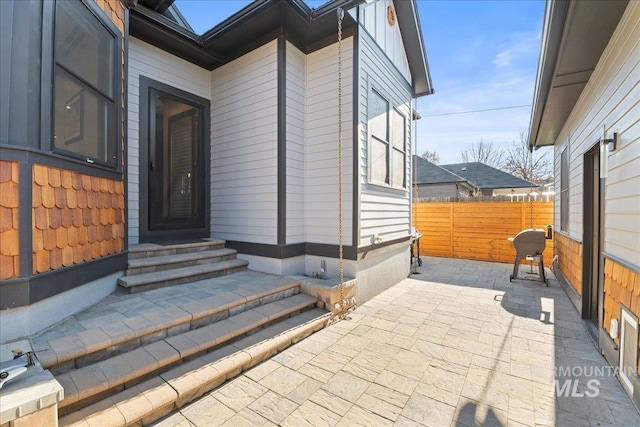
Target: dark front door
x,y
174,170
176,194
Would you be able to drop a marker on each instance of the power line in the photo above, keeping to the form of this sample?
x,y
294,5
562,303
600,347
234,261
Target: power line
x,y
477,111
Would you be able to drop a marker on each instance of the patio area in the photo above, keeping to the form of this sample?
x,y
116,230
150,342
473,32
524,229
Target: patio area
x,y
456,345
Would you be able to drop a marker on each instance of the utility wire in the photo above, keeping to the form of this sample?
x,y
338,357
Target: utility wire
x,y
476,111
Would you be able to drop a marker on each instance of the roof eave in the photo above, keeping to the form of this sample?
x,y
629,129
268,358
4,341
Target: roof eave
x,y
409,21
570,49
554,20
212,49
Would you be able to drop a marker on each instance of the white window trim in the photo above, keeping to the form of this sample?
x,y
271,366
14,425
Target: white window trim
x,y
390,147
626,318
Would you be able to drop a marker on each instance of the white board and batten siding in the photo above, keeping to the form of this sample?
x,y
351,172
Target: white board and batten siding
x,y
149,61
374,20
321,157
244,148
611,99
384,212
296,86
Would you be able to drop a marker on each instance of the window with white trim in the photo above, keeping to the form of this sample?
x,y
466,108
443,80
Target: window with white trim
x,y
85,93
388,135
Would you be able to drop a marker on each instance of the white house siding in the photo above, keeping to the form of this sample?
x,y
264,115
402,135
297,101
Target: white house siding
x,y
296,66
611,98
384,212
321,157
374,20
147,60
244,148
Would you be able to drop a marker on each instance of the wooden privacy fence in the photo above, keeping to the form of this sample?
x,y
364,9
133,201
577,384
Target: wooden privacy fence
x,y
478,230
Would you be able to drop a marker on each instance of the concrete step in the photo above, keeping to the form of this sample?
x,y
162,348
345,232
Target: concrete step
x,y
168,262
93,345
159,395
146,250
90,384
179,276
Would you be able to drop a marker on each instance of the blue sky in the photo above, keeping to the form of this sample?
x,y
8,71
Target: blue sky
x,y
482,55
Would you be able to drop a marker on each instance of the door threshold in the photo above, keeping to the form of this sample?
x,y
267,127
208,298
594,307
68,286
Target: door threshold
x,y
169,242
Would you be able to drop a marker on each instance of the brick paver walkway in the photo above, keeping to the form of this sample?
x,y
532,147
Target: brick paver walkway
x,y
456,345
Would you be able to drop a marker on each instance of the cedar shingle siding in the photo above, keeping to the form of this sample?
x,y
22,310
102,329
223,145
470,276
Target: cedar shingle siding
x,y
76,218
9,245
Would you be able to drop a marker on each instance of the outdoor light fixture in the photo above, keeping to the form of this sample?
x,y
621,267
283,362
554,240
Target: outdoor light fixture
x,y
607,146
611,143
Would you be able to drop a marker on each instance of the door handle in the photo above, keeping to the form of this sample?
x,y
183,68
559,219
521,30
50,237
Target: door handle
x,y
151,166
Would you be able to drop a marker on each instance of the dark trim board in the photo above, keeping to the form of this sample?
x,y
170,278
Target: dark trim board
x,y
23,49
25,218
125,121
30,290
282,139
623,263
573,295
35,157
365,251
355,210
290,251
317,249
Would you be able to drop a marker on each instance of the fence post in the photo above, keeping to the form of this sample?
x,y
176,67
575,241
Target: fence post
x,y
451,229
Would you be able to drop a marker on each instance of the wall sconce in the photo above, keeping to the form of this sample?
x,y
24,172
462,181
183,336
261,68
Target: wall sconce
x,y
611,143
607,146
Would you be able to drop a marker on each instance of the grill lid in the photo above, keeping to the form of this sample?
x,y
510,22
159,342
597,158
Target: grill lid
x,y
530,242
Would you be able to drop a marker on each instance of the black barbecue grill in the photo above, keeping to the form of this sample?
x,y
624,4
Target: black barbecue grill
x,y
529,245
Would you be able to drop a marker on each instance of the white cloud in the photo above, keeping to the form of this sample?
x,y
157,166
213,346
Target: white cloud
x,y
508,81
521,45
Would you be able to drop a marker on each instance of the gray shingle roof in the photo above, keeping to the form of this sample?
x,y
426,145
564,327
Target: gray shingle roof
x,y
485,177
430,173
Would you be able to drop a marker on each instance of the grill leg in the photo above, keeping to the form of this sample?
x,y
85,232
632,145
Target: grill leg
x,y
516,266
541,271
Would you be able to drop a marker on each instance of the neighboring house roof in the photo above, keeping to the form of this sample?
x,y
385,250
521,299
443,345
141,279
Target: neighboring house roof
x,y
574,35
430,173
486,177
306,28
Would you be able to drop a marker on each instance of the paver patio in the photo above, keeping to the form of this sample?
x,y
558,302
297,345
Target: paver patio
x,y
457,345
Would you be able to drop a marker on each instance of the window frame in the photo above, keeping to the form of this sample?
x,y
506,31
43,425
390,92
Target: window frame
x,y
564,189
116,99
390,147
404,147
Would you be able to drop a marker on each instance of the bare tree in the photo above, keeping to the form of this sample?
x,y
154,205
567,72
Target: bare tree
x,y
483,152
431,156
534,167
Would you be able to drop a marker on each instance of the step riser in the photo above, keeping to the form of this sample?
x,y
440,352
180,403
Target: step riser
x,y
184,280
161,395
68,408
174,251
170,266
161,334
